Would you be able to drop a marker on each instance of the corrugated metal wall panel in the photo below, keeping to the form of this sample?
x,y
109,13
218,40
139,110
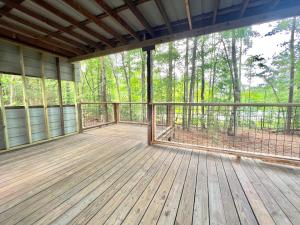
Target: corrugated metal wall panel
x,y
50,67
77,72
9,58
70,119
16,127
37,122
54,121
32,62
66,70
2,141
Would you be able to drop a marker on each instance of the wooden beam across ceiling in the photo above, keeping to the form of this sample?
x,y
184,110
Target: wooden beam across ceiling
x,y
107,9
68,18
49,34
13,4
139,16
244,7
164,15
216,8
188,13
96,20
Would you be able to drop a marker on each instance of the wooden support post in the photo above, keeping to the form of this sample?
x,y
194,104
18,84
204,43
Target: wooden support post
x,y
79,118
117,112
44,93
61,106
3,117
77,112
149,92
153,123
25,97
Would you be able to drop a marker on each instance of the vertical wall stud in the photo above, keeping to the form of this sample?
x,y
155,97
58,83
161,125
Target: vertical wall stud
x,y
25,97
3,116
61,106
44,93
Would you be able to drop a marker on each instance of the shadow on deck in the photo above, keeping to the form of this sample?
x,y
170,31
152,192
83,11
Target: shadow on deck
x,y
111,176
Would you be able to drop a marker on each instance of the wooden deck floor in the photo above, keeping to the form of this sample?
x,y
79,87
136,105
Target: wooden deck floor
x,y
110,176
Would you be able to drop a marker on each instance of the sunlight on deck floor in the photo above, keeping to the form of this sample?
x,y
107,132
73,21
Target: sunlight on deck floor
x,y
110,176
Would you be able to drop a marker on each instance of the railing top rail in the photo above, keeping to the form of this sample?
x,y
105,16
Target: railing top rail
x,y
228,104
97,103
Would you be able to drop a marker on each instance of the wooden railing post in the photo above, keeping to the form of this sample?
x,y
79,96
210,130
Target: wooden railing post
x,y
3,118
116,112
61,104
79,114
153,131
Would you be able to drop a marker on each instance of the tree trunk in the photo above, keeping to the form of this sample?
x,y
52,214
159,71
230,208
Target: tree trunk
x,y
192,85
170,73
185,83
143,79
202,83
116,79
103,88
292,77
127,78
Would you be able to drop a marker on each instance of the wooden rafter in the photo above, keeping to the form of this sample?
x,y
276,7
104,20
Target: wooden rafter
x,y
139,16
164,15
50,22
68,18
107,9
50,41
244,7
97,21
216,8
11,35
274,4
188,13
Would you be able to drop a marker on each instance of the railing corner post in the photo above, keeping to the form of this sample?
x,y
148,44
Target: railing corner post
x,y
117,112
79,109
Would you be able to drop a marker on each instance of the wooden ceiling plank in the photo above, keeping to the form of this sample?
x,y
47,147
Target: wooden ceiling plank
x,y
68,18
52,23
188,13
8,34
131,5
108,10
48,33
164,15
35,35
97,21
244,8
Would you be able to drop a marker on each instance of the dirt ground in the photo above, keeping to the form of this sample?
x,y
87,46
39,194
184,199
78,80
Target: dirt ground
x,y
250,140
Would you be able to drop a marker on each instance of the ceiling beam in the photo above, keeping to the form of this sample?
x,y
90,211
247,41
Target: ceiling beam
x,y
68,18
48,33
20,38
97,21
274,4
216,8
164,15
139,16
188,13
50,22
244,7
16,28
226,22
108,10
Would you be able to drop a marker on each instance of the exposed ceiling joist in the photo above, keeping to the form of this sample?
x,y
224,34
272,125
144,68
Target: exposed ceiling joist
x,y
188,13
48,33
52,23
216,8
164,15
244,7
96,20
115,16
68,18
139,16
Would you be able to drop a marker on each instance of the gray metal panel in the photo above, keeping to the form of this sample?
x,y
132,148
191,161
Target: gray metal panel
x,y
32,62
151,13
50,67
70,119
37,122
9,58
54,121
77,71
16,126
66,70
2,141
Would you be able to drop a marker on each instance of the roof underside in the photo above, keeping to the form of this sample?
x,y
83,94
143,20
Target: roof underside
x,y
80,29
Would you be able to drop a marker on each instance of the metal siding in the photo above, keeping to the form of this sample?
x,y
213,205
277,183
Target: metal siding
x,y
32,62
66,70
16,127
2,141
54,121
70,119
9,58
37,122
130,18
151,13
77,71
50,67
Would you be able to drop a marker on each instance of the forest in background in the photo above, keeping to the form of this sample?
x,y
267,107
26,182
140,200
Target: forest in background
x,y
209,68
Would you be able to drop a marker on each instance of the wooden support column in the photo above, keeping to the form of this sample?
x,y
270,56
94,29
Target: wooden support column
x,y
25,97
3,117
61,106
44,93
117,112
151,124
77,104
